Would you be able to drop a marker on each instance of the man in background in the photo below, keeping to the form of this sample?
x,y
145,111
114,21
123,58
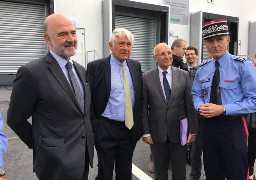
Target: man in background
x,y
179,47
191,55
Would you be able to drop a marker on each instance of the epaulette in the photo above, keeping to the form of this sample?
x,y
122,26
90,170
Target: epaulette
x,y
203,64
238,58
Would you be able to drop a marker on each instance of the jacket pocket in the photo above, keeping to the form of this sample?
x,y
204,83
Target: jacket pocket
x,y
52,142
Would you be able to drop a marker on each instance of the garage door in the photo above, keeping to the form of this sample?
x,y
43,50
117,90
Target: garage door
x,y
144,31
21,34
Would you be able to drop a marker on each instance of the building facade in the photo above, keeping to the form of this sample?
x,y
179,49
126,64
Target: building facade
x,y
21,34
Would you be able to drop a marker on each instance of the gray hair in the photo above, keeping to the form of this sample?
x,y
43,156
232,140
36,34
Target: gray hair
x,y
156,46
45,27
177,43
118,32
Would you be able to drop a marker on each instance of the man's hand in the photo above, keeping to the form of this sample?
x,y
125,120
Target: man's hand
x,y
147,140
191,138
210,110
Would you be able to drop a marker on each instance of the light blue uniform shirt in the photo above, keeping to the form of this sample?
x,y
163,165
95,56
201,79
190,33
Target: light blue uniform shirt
x,y
115,108
237,84
62,63
3,142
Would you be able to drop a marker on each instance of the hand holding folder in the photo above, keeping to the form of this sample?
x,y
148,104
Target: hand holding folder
x,y
183,131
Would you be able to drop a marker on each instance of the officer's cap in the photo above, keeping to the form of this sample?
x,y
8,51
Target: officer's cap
x,y
217,27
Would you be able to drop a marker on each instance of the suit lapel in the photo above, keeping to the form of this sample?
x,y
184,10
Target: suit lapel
x,y
60,77
175,81
107,70
156,79
132,73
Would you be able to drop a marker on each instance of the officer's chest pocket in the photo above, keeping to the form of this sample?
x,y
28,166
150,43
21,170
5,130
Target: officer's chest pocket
x,y
206,88
229,86
206,85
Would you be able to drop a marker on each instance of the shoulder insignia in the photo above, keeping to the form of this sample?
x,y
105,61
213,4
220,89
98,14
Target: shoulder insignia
x,y
238,58
203,64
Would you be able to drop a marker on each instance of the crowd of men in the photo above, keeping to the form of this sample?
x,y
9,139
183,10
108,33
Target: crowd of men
x,y
111,105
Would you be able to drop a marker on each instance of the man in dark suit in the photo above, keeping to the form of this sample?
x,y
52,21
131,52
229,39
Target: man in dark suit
x,y
179,47
116,118
58,100
167,101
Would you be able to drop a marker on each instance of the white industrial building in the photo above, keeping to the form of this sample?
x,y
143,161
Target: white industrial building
x,y
151,21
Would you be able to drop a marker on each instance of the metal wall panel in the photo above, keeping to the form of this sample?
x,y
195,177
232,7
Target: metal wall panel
x,y
21,34
144,31
252,40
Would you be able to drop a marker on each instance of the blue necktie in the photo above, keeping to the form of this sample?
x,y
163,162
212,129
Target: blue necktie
x,y
75,86
215,97
167,88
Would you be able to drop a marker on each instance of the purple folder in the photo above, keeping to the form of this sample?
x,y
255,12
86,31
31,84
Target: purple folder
x,y
183,131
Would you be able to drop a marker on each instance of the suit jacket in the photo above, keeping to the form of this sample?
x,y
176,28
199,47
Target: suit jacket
x,y
60,132
162,119
99,76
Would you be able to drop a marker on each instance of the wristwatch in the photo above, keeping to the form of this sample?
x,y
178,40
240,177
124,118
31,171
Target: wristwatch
x,y
2,171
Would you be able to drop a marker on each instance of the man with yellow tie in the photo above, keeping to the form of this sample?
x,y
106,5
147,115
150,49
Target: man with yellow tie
x,y
116,114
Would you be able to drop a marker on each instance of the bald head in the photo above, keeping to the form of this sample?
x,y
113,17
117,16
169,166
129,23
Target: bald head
x,y
163,55
60,35
160,46
55,20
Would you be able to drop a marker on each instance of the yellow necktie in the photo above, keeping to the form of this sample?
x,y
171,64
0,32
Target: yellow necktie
x,y
128,101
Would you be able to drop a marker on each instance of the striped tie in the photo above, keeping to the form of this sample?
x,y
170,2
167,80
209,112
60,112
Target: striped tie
x,y
128,102
75,86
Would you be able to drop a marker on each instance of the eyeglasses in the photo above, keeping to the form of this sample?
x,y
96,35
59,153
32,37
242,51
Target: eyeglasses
x,y
164,54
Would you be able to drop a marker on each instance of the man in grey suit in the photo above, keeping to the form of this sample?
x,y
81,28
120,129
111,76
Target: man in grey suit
x,y
53,91
167,101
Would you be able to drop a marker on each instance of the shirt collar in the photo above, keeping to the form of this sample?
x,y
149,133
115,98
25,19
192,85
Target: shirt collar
x,y
116,62
223,58
169,70
61,61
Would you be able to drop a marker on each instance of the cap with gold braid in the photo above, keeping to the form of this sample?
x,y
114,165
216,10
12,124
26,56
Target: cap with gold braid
x,y
217,27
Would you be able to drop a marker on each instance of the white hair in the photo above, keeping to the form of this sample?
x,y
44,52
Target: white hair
x,y
118,32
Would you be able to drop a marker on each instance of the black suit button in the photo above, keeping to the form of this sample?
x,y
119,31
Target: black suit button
x,y
83,137
167,109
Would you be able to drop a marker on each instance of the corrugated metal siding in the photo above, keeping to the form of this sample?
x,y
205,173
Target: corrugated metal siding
x,y
21,34
144,31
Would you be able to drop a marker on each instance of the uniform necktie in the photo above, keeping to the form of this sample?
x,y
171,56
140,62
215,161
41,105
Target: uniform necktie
x,y
75,86
215,97
167,88
128,101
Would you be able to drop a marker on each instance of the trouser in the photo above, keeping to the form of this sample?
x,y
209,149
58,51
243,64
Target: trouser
x,y
196,153
165,153
115,149
224,148
251,150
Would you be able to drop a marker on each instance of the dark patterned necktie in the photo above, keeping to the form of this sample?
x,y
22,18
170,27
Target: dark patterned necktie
x,y
167,89
215,97
75,86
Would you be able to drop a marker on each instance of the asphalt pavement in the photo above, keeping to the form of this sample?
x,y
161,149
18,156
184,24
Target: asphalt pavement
x,y
18,159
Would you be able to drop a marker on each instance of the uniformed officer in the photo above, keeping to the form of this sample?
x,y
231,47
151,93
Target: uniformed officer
x,y
224,88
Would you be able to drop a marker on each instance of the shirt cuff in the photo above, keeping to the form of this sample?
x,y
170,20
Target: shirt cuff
x,y
146,135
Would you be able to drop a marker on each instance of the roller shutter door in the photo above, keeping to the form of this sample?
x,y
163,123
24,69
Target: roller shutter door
x,y
21,34
144,31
